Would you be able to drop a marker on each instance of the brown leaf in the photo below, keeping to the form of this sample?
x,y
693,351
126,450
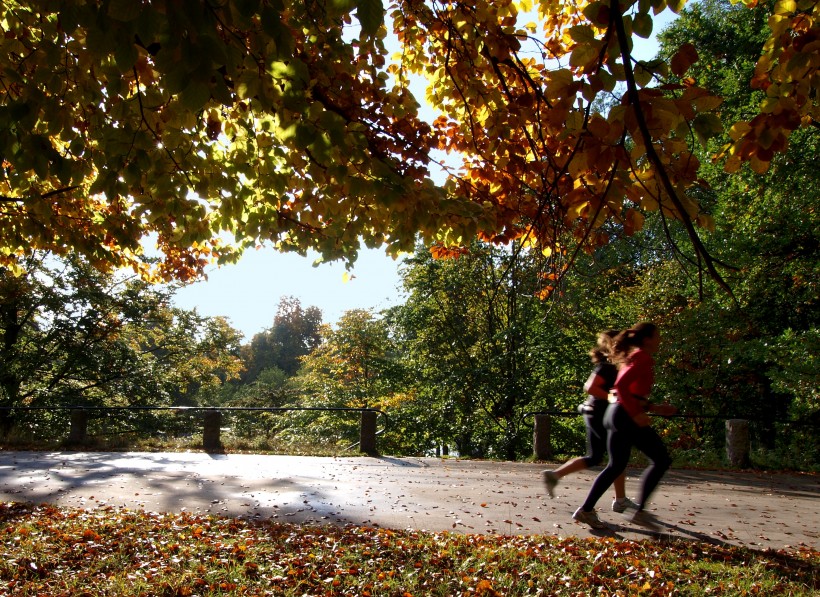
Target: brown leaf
x,y
685,57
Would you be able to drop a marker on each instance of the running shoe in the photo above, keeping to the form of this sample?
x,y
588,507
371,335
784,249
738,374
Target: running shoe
x,y
621,505
590,518
550,480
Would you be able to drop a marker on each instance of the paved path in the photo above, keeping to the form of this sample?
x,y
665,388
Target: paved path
x,y
757,510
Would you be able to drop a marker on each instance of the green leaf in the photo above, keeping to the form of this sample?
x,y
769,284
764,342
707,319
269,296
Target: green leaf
x,y
583,54
176,80
642,25
643,76
371,16
582,34
195,95
279,33
220,91
304,135
125,56
707,126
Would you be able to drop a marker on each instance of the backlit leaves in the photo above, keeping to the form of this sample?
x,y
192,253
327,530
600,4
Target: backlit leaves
x,y
207,127
685,57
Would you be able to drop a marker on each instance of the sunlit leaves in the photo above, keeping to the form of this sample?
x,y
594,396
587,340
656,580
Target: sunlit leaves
x,y
207,128
551,165
788,72
131,101
371,15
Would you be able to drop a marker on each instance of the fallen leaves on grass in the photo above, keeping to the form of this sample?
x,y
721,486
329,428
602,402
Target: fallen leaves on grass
x,y
50,551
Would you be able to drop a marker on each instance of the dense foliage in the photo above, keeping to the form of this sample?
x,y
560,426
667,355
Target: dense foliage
x,y
207,127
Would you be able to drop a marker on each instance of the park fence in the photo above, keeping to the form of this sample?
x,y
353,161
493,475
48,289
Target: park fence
x,y
738,432
212,421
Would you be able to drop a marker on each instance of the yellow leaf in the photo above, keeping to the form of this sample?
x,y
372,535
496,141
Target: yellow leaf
x,y
739,130
649,203
732,164
785,7
706,103
576,210
578,165
633,221
758,165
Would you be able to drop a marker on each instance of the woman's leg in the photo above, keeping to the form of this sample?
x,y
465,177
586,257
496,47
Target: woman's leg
x,y
596,438
619,443
596,448
619,485
650,443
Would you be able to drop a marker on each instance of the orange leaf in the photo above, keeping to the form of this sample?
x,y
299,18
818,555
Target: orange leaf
x,y
484,585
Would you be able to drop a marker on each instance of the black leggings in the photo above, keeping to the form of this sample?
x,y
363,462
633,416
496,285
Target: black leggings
x,y
596,436
623,433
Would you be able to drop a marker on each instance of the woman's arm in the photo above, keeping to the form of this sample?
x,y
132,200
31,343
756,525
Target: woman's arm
x,y
663,410
596,386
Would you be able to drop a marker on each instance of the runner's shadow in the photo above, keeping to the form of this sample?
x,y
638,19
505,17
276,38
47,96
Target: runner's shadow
x,y
641,531
695,535
610,532
673,533
403,462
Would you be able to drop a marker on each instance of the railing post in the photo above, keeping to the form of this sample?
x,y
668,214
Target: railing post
x,y
212,422
367,433
541,437
79,427
737,442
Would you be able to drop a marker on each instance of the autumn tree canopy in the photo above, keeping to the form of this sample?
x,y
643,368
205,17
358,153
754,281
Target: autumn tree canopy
x,y
210,126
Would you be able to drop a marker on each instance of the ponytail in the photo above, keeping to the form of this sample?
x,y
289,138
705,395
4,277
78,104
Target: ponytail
x,y
602,353
630,339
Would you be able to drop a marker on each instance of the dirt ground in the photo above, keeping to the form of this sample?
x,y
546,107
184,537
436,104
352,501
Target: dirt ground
x,y
753,509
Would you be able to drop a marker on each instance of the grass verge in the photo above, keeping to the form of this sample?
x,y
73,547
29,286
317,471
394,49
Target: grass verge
x,y
51,551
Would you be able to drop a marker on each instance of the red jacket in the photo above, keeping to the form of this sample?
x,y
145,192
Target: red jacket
x,y
635,380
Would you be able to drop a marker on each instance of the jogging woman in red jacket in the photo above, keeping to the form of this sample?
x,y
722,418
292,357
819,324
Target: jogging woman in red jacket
x,y
628,423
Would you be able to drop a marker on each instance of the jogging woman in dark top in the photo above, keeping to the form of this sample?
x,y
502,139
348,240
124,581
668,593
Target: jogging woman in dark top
x,y
600,382
628,423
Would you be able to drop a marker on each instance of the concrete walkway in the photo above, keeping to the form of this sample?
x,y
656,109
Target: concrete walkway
x,y
753,509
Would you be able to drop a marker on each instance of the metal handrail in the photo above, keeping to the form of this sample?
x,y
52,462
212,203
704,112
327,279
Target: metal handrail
x,y
556,413
206,409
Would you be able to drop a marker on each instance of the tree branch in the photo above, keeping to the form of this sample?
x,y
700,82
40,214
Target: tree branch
x,y
616,19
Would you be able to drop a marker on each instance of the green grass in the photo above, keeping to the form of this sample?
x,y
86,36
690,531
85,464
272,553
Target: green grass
x,y
49,551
